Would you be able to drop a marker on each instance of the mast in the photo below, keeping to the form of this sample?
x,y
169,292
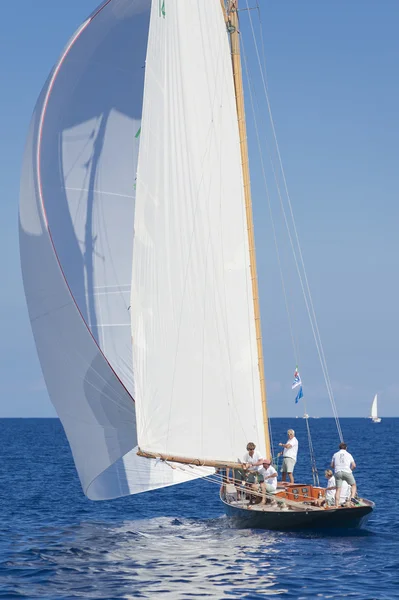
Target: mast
x,y
233,29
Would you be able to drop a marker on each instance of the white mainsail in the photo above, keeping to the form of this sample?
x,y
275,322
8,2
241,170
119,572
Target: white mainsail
x,y
76,240
194,342
374,408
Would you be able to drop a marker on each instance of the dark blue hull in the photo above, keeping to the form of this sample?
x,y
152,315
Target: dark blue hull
x,y
290,520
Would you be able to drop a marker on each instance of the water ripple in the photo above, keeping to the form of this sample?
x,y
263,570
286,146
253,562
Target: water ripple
x,y
175,543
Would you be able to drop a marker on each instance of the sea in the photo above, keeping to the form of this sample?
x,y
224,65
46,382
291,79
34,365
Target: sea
x,y
176,543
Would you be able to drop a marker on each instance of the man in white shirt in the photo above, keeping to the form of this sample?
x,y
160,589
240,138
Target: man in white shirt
x,y
329,497
343,464
270,479
252,463
253,460
289,453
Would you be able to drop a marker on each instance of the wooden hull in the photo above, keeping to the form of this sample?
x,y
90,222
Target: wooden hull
x,y
291,520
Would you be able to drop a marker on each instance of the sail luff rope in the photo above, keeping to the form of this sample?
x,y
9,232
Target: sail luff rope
x,y
311,312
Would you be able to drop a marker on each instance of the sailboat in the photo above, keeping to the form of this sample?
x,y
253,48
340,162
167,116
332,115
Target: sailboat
x,y
374,410
138,257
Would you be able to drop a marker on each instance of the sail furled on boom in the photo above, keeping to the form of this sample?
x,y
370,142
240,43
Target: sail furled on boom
x,y
194,341
76,241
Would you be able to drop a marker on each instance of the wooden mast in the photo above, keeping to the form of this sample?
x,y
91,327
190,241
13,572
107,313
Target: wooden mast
x,y
233,29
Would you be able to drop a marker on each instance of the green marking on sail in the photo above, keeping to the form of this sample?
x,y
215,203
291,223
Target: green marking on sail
x,y
138,133
162,12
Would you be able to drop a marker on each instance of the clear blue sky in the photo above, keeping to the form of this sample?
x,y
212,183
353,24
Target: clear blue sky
x,y
333,82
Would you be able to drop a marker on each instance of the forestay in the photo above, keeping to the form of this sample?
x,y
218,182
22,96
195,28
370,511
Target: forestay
x,y
76,240
195,356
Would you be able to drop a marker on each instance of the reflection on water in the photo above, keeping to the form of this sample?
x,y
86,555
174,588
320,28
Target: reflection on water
x,y
161,557
183,558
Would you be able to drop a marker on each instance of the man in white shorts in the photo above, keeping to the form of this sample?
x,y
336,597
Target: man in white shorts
x,y
289,453
343,464
345,494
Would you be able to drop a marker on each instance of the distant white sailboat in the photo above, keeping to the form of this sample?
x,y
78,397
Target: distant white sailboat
x,y
374,411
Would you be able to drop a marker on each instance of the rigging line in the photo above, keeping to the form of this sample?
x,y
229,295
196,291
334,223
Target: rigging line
x,y
315,327
310,443
218,478
210,479
321,352
279,194
292,245
251,94
119,287
95,191
250,86
261,36
311,450
315,473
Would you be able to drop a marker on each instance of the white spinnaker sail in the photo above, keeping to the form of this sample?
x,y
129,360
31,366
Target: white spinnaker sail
x,y
195,356
76,239
374,408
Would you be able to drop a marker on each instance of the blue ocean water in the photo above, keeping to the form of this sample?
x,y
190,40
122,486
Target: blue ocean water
x,y
176,543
